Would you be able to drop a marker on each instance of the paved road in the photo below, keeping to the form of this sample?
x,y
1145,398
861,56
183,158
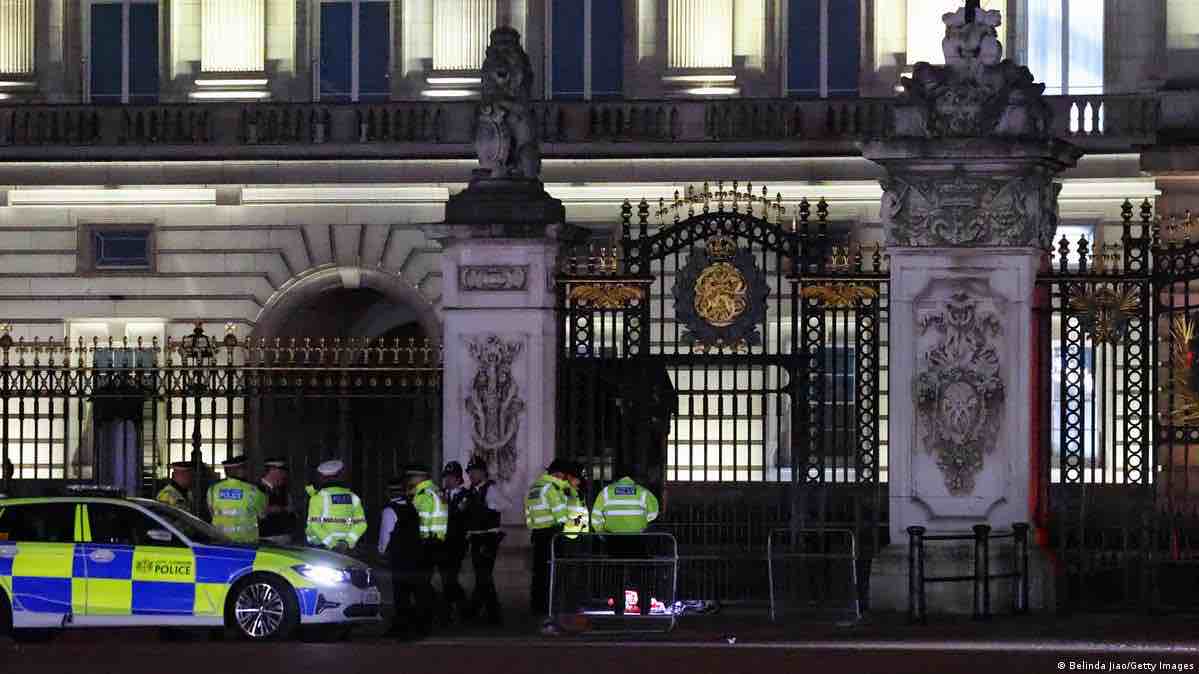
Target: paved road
x,y
132,651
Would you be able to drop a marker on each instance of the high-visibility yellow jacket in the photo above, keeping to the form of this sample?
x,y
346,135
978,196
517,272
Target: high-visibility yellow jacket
x,y
624,507
434,516
236,507
173,495
335,515
545,504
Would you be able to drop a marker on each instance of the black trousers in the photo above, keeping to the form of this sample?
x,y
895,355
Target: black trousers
x,y
449,566
539,588
412,592
484,549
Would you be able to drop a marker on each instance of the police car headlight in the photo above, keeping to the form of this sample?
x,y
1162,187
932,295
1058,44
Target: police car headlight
x,y
324,575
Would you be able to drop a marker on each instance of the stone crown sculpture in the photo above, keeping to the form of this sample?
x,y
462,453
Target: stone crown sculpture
x,y
975,93
506,137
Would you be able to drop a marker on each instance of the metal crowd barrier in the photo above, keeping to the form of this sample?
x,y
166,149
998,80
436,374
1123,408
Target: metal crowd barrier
x,y
982,576
614,583
805,568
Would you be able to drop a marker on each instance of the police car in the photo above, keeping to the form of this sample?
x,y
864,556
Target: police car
x,y
87,561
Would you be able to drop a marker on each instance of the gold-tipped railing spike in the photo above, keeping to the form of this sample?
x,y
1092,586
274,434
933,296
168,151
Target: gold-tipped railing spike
x,y
735,196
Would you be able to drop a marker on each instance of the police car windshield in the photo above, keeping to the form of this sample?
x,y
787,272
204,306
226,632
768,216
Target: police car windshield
x,y
196,530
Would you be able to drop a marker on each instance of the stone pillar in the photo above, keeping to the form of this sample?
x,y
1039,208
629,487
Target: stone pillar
x,y
499,336
969,205
701,33
17,39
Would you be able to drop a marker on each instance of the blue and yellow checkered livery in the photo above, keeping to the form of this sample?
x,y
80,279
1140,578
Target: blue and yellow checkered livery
x,y
83,580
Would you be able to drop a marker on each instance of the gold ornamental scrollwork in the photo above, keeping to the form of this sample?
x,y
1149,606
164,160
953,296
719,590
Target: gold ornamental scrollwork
x,y
1184,410
1106,312
838,294
606,295
720,294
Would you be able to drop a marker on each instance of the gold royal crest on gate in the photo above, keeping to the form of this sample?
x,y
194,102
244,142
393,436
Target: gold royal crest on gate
x,y
720,296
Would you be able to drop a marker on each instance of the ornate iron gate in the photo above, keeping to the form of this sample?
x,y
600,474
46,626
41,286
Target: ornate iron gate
x,y
737,364
121,412
1119,409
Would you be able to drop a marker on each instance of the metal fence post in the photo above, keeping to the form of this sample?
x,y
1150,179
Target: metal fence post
x,y
982,584
916,605
1021,599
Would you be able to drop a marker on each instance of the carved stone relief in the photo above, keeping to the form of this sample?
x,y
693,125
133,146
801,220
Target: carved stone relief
x,y
970,211
958,389
494,403
493,277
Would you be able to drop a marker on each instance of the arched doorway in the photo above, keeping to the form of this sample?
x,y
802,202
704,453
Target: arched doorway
x,y
375,421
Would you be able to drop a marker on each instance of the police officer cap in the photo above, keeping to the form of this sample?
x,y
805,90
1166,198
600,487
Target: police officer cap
x,y
181,465
276,462
559,466
330,468
452,468
397,484
415,469
234,462
477,463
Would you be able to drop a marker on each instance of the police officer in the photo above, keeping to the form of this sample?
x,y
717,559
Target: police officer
x,y
624,508
484,505
336,519
454,494
5,488
236,504
400,543
177,492
545,515
578,519
280,522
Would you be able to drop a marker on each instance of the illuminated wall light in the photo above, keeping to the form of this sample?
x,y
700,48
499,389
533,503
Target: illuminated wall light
x,y
5,97
713,91
227,83
454,80
706,79
448,93
229,95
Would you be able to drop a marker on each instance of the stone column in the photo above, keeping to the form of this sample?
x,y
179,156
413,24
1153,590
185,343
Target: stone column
x,y
700,33
17,39
969,205
460,30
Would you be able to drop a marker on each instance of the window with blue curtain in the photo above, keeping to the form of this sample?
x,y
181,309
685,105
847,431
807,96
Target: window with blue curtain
x,y
569,62
107,53
111,58
337,56
374,50
808,62
337,21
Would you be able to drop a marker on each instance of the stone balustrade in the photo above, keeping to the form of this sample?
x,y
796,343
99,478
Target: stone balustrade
x,y
446,128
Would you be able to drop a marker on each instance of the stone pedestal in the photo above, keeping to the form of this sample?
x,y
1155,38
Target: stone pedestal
x,y
499,336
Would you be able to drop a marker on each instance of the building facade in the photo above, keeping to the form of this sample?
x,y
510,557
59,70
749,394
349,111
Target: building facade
x,y
269,169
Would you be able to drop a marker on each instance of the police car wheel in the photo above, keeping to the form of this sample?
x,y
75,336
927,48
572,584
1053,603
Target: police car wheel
x,y
263,608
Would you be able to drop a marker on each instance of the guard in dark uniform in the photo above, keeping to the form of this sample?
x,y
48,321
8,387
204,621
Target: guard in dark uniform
x,y
279,525
453,552
484,504
401,544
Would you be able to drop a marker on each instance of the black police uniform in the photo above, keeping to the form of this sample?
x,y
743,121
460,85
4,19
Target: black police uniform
x,y
453,551
276,523
483,525
411,570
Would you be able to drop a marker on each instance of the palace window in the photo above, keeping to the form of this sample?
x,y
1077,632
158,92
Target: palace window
x,y
122,50
116,247
1065,45
586,48
355,50
823,45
